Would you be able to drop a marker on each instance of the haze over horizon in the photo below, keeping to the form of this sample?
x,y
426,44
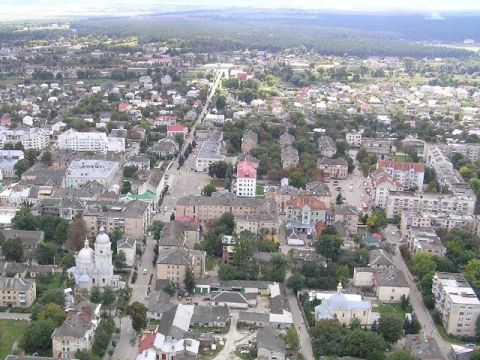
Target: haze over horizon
x,y
42,9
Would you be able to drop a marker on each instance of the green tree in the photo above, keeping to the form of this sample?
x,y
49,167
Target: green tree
x,y
220,103
46,158
126,187
83,355
96,295
277,268
21,166
227,272
120,260
342,273
365,344
377,221
24,220
180,140
55,296
246,265
390,326
218,169
53,312
38,336
339,200
422,264
108,296
46,252
129,171
292,340
13,249
138,313
329,246
226,223
61,231
472,273
401,355
189,280
475,355
208,189
68,261
156,228
296,281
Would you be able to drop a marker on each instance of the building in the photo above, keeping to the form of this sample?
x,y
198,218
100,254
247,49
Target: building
x,y
128,246
326,146
246,185
424,239
166,147
29,239
400,201
286,139
457,303
270,345
423,347
409,175
249,141
77,332
383,184
16,292
172,265
303,214
354,139
415,219
82,141
174,130
210,152
132,218
347,215
382,148
8,159
289,156
283,194
35,138
81,172
333,168
204,208
93,267
344,308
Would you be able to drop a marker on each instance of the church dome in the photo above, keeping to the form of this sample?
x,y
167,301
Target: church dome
x,y
86,254
102,238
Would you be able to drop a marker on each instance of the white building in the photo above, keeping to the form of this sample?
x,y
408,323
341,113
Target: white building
x,y
80,172
8,159
94,267
409,175
354,138
246,179
35,138
82,141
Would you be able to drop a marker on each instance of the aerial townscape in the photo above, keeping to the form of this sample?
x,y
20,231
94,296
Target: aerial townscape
x,y
195,181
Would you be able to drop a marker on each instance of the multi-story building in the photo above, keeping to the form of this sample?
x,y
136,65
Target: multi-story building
x,y
132,218
470,151
348,216
289,156
383,184
81,172
246,185
77,332
456,302
16,292
354,139
400,201
333,168
204,208
174,130
82,141
249,141
303,213
210,152
409,175
327,146
172,265
424,239
35,138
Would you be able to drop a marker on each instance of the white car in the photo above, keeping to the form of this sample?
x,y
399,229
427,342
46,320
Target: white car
x,y
144,271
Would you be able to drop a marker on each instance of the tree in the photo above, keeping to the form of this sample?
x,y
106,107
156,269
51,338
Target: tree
x,y
339,200
46,252
342,273
120,260
472,273
24,220
365,344
138,313
276,268
226,223
227,272
53,312
46,158
189,280
246,265
13,249
296,281
218,169
77,233
170,289
55,296
329,246
68,261
208,189
390,326
38,336
220,103
61,231
475,355
402,355
108,296
180,140
129,171
83,355
292,340
21,166
377,221
422,264
96,295
156,229
126,187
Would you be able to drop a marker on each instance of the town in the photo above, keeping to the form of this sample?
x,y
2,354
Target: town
x,y
160,200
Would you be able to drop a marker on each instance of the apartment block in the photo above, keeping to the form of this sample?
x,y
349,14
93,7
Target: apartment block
x,y
425,240
246,185
409,175
16,292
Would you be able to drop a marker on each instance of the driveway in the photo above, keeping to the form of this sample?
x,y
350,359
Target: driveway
x,y
234,338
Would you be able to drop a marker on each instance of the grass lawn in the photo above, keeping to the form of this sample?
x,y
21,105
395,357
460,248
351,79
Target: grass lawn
x,y
402,158
260,191
10,331
49,283
443,333
208,354
390,308
210,263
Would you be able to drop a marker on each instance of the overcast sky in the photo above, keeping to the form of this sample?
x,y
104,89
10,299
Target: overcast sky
x,y
35,9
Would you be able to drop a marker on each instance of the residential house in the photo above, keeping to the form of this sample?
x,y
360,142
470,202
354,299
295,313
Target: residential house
x,y
17,292
249,141
333,168
303,213
172,265
409,175
128,246
424,239
166,147
326,146
348,215
246,183
289,156
174,130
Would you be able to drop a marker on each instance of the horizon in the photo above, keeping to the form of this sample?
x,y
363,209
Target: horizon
x,y
24,10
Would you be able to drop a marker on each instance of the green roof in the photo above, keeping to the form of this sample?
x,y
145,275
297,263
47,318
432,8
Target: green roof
x,y
370,240
147,195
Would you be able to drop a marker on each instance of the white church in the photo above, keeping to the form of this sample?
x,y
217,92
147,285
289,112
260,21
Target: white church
x,y
94,266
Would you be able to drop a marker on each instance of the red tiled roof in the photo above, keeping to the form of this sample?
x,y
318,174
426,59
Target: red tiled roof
x,y
177,128
299,201
146,342
246,169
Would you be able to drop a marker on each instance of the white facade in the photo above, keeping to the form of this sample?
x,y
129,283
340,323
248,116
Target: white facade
x,y
35,138
80,172
83,141
246,187
354,139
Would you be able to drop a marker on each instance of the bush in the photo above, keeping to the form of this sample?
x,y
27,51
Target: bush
x,y
102,336
134,277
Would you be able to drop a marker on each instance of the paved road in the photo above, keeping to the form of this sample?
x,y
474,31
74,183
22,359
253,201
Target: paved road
x,y
124,350
428,327
14,316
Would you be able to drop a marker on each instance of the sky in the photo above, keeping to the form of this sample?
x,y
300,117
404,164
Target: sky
x,y
38,9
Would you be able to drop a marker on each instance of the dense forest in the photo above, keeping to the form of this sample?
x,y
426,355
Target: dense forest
x,y
212,34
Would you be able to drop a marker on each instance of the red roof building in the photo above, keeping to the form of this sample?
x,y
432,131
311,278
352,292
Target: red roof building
x,y
247,169
173,130
123,106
